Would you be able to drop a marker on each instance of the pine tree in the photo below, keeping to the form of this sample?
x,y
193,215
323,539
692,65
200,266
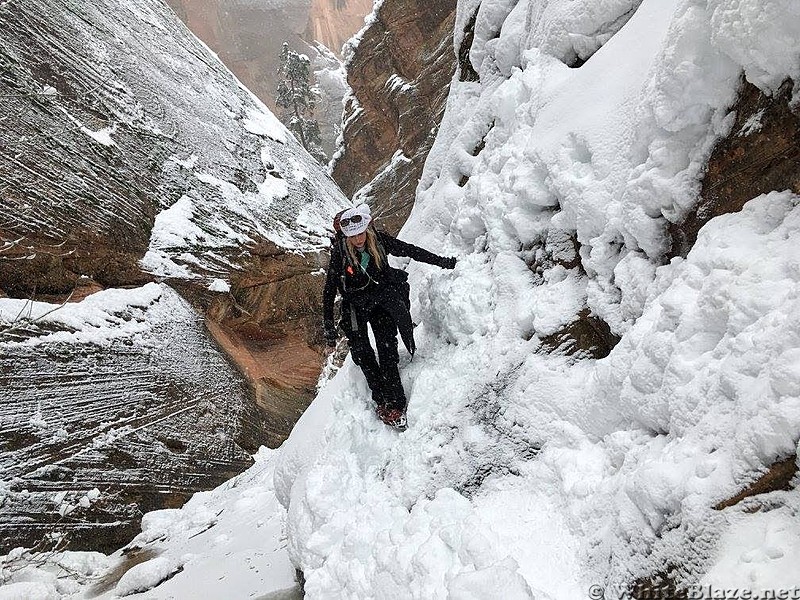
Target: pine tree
x,y
297,99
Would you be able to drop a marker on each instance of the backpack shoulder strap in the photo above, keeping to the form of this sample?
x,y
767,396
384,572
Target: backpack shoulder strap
x,y
343,251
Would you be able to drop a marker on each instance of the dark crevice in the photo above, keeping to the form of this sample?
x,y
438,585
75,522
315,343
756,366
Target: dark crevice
x,y
588,336
466,72
482,142
578,60
657,587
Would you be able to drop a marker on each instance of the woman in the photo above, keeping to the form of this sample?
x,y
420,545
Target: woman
x,y
376,294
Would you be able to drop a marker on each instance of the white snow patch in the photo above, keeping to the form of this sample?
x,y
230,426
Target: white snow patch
x,y
147,575
263,122
219,285
103,136
97,319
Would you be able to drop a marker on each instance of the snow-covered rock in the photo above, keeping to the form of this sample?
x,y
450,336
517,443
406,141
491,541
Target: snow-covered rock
x,y
528,471
135,156
564,471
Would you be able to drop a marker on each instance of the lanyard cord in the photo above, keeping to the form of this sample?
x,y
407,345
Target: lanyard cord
x,y
363,264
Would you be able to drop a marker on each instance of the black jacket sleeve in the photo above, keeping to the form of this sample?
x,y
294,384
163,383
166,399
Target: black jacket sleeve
x,y
397,247
331,285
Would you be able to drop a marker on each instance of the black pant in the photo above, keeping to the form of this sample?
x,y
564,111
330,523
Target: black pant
x,y
383,375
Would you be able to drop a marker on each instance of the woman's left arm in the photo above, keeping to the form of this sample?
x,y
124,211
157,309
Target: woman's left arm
x,y
397,247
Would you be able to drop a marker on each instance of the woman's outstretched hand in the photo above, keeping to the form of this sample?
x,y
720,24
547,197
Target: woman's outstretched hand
x,y
448,262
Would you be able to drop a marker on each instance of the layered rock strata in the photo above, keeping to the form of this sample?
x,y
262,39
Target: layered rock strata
x,y
399,75
134,155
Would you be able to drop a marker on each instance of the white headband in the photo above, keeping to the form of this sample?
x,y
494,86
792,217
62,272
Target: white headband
x,y
361,220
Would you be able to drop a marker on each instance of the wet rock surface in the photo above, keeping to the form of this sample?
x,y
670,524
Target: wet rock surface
x,y
135,156
144,408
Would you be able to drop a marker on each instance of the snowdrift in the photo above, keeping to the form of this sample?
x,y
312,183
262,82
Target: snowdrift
x,y
538,465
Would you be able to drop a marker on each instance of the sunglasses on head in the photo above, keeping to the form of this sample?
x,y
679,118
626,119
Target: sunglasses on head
x,y
354,219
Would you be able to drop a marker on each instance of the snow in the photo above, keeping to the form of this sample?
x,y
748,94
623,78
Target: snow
x,y
760,36
544,472
527,472
219,285
98,319
47,579
103,136
226,543
350,45
146,576
216,223
761,553
263,122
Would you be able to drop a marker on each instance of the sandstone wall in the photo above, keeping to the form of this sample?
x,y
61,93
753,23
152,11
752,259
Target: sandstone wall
x,y
399,75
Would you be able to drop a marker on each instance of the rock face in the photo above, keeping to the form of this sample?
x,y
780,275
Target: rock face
x,y
268,325
143,407
333,22
761,154
399,74
134,156
248,35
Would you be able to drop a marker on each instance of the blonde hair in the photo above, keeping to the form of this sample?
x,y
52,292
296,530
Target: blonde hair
x,y
373,248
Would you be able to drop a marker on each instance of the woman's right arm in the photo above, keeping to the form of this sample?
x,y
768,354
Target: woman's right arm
x,y
401,248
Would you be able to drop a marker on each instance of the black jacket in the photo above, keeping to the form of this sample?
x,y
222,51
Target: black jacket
x,y
386,287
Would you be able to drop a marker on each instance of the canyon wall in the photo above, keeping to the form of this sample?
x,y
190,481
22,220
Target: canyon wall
x,y
136,167
399,74
247,37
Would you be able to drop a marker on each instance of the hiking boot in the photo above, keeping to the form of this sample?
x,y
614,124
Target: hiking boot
x,y
393,417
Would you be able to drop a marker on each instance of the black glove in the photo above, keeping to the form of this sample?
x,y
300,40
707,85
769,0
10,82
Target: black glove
x,y
331,337
448,262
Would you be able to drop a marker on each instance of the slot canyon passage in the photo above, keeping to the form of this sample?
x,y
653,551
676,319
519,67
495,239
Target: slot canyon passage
x,y
605,397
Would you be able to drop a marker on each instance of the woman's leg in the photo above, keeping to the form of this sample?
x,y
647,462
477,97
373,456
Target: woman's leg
x,y
385,330
364,357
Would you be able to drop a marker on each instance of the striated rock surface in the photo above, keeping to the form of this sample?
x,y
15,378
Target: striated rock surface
x,y
399,74
248,35
135,156
123,393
